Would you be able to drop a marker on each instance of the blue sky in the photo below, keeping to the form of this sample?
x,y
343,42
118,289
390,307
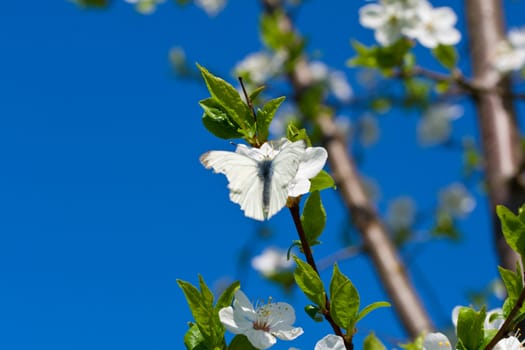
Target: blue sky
x,y
104,204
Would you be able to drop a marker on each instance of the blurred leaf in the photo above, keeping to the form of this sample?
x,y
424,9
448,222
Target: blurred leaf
x,y
310,283
272,35
417,344
313,217
344,297
321,181
372,343
217,121
92,3
446,55
265,116
383,58
417,93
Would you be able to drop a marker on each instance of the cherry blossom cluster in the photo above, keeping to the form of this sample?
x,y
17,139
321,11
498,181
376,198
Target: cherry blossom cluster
x,y
414,19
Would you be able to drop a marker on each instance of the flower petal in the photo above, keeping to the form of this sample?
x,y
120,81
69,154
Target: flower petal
x,y
226,315
371,16
278,314
260,339
287,332
243,306
436,341
330,342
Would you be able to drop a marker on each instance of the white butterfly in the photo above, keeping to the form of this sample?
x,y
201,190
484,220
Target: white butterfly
x,y
259,178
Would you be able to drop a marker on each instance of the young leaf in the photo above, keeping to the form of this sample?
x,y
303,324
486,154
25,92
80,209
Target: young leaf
x,y
199,309
470,328
217,121
255,93
294,134
446,55
310,283
207,295
227,296
344,301
372,343
265,116
513,229
513,282
193,339
371,307
314,312
321,181
228,97
313,218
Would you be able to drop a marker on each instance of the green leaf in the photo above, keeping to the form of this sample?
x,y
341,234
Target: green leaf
x,y
381,57
446,55
255,93
228,97
417,344
217,121
470,328
294,134
344,297
371,307
207,295
310,283
321,181
513,229
193,339
265,116
513,282
92,3
227,296
198,308
271,33
372,343
313,218
240,342
314,312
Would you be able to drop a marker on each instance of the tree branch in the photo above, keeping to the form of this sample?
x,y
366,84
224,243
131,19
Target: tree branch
x,y
496,117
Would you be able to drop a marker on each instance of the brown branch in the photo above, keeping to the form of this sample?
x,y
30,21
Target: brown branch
x,y
496,117
386,260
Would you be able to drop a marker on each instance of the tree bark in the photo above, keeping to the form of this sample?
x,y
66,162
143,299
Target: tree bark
x,y
499,131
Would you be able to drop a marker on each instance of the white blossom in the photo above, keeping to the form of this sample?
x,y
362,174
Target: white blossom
x,y
335,80
330,342
456,201
434,127
434,26
211,7
415,19
401,213
259,67
510,54
436,341
389,19
368,130
145,7
510,343
272,261
261,325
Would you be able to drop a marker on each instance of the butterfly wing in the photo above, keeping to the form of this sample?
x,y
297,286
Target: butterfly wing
x,y
244,183
284,169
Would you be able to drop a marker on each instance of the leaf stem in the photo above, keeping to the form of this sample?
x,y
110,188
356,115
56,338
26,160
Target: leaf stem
x,y
294,210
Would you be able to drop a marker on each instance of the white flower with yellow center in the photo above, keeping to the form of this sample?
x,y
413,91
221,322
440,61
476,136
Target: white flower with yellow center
x,y
262,325
436,341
